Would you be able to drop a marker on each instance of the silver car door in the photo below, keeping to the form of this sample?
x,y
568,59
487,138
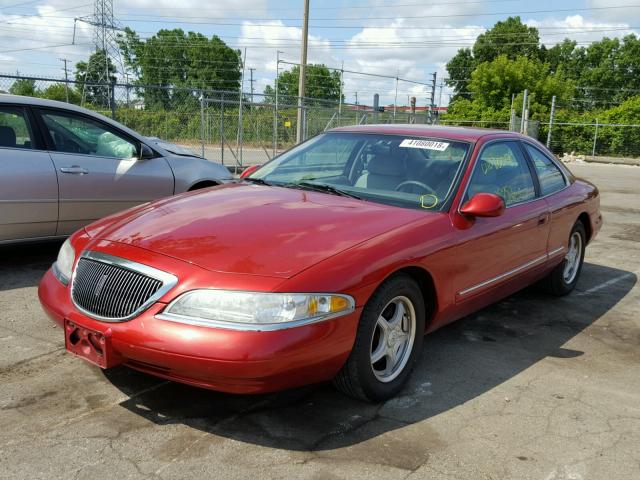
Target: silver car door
x,y
98,169
28,185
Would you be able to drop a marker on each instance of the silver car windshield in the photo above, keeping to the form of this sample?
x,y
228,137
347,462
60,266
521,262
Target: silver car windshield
x,y
406,171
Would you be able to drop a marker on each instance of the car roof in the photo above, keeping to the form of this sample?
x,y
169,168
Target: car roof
x,y
39,102
465,134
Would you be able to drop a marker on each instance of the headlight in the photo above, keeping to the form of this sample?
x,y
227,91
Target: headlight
x,y
63,267
255,311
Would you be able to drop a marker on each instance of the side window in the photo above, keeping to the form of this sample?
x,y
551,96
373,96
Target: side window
x,y
14,128
75,134
549,175
503,170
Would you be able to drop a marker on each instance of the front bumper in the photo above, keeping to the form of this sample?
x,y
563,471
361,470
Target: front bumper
x,y
218,359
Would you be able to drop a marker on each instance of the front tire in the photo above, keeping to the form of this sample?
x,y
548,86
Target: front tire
x,y
563,279
388,341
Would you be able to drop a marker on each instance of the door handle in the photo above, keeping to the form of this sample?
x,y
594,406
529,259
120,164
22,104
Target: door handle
x,y
542,219
74,170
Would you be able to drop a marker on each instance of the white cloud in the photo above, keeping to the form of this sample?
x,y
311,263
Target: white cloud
x,y
191,8
620,14
264,39
578,28
49,28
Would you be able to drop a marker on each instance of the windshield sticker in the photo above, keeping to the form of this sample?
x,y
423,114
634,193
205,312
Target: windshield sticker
x,y
424,144
428,200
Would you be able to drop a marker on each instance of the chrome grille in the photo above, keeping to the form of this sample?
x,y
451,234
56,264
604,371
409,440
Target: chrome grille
x,y
106,290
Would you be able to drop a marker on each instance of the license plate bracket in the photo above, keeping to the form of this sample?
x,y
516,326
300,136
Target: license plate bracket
x,y
89,344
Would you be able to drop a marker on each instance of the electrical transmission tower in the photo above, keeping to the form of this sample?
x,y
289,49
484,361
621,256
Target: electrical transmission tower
x,y
105,29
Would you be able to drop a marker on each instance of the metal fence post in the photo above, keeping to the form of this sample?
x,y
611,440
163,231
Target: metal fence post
x,y
595,140
524,112
202,120
222,128
551,115
376,101
112,99
340,99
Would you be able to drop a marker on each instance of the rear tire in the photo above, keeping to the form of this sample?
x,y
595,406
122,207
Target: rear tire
x,y
563,279
388,341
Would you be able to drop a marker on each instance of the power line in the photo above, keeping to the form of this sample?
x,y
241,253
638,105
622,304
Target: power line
x,y
206,20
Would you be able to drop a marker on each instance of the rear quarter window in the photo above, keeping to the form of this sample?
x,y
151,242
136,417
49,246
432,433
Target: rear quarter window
x,y
549,175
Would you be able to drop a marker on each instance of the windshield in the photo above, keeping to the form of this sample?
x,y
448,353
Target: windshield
x,y
411,172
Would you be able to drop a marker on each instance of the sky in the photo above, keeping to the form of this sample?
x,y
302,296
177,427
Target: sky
x,y
408,39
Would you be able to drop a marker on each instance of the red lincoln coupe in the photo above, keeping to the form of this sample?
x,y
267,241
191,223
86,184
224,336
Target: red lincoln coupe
x,y
329,262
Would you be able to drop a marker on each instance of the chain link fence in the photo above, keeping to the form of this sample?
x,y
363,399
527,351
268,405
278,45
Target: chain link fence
x,y
243,129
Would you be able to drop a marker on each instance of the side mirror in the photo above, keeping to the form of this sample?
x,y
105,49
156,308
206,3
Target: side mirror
x,y
484,205
249,170
145,152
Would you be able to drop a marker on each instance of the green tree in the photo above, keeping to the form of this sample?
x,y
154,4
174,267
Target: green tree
x,y
90,77
460,68
24,87
321,84
608,71
493,84
58,91
510,38
175,60
563,55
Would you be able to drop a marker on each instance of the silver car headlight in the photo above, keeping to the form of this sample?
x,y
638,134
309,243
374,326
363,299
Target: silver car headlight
x,y
239,310
63,267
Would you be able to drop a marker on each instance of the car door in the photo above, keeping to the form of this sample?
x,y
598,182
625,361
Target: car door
x,y
98,168
562,208
497,250
28,185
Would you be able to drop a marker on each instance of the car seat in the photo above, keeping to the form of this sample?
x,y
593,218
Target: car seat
x,y
384,172
7,137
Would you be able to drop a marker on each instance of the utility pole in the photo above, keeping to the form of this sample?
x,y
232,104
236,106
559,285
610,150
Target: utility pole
x,y
553,112
66,78
251,80
303,70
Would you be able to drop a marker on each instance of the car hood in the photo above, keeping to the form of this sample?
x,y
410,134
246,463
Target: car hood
x,y
253,229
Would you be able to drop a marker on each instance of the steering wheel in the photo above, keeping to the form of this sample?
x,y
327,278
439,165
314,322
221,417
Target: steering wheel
x,y
425,187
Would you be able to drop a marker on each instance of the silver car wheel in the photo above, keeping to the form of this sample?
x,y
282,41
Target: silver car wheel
x,y
392,340
572,258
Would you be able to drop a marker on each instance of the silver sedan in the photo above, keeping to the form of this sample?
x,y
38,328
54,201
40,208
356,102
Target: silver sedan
x,y
62,166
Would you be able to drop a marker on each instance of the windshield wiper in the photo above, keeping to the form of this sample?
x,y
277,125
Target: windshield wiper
x,y
259,181
323,187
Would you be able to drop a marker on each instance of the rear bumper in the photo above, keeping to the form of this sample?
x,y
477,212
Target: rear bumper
x,y
218,359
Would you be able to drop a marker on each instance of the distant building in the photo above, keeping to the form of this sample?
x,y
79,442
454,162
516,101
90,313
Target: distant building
x,y
137,104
